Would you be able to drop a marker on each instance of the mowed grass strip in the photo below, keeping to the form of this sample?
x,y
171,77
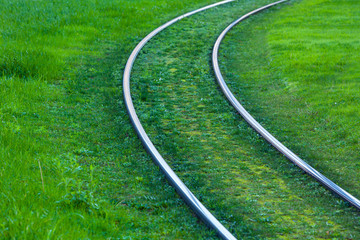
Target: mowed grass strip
x,y
249,186
71,166
297,72
318,55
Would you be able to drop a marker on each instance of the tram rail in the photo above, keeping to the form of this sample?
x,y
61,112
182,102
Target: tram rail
x,y
174,180
261,130
201,211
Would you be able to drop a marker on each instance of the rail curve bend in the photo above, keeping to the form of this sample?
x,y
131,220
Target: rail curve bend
x,y
263,132
174,180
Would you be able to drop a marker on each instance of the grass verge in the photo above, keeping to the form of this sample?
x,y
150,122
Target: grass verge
x,y
72,167
295,72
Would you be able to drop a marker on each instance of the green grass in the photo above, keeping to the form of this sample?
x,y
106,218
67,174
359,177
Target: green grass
x,y
297,72
73,168
308,82
322,70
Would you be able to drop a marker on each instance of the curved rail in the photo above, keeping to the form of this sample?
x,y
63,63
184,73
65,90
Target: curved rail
x,y
263,132
180,187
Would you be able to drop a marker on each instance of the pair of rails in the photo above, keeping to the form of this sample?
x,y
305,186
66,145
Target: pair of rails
x,y
174,180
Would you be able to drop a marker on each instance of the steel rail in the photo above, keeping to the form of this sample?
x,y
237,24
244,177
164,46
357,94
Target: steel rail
x,y
262,131
175,181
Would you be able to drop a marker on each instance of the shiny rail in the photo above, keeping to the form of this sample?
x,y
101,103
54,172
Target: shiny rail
x,y
175,181
263,132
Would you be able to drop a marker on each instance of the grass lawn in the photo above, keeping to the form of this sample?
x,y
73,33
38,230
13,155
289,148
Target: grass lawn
x,y
298,73
73,168
71,165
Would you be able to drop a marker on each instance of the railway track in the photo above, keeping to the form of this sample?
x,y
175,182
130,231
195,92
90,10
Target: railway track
x,y
200,210
174,180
